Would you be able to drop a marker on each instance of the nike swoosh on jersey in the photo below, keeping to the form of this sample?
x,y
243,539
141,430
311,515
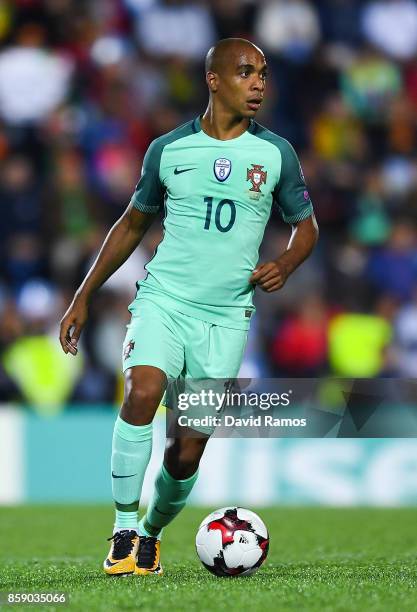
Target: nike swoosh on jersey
x,y
176,171
116,476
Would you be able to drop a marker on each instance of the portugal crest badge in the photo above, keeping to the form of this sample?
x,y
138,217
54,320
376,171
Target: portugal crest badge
x,y
257,177
128,349
222,168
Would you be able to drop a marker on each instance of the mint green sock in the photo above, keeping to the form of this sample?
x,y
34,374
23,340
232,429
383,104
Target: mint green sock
x,y
131,451
168,499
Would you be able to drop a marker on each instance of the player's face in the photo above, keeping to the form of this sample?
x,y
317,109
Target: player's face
x,y
242,86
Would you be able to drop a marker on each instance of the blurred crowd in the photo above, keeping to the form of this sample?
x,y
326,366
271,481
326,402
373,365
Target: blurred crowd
x,y
86,86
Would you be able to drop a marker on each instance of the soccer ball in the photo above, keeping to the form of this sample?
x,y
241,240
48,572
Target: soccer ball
x,y
232,542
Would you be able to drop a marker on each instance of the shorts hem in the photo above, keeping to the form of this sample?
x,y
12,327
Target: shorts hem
x,y
143,362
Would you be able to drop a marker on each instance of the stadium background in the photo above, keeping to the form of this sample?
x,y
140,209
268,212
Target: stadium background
x,y
84,88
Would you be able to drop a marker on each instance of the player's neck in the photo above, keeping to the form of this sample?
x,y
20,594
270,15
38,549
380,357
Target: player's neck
x,y
222,125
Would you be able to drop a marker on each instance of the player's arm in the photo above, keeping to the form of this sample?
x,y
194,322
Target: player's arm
x,y
271,276
119,244
294,202
121,241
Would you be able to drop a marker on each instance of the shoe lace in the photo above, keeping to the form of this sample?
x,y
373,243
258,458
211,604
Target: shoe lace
x,y
123,543
147,552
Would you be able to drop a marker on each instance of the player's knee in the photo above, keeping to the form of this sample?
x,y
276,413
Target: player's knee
x,y
191,450
183,459
142,401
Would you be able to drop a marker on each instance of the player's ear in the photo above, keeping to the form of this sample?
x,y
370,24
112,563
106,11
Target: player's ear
x,y
212,81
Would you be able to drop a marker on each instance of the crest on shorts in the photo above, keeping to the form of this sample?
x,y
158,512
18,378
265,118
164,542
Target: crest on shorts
x,y
222,168
128,349
256,176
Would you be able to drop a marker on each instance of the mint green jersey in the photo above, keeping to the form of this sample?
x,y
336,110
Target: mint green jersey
x,y
217,196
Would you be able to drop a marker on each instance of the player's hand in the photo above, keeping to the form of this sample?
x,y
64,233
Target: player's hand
x,y
269,276
71,326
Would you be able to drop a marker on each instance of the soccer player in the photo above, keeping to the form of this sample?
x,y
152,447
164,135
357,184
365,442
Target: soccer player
x,y
218,177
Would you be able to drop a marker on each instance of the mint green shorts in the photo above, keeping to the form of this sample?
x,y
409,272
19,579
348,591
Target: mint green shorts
x,y
181,345
186,349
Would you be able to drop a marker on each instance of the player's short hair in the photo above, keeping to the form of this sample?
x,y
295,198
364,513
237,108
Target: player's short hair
x,y
216,54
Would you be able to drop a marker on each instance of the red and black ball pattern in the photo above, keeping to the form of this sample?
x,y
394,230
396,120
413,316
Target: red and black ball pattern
x,y
228,524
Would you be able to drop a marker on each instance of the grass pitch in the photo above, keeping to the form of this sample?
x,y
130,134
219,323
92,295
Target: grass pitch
x,y
320,559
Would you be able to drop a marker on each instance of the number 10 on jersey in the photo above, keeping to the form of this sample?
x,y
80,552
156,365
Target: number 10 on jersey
x,y
217,216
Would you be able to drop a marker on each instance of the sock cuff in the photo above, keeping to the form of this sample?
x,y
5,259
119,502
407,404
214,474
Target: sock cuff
x,y
132,433
186,481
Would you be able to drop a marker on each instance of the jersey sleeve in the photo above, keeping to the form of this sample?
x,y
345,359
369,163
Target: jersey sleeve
x,y
149,193
291,193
